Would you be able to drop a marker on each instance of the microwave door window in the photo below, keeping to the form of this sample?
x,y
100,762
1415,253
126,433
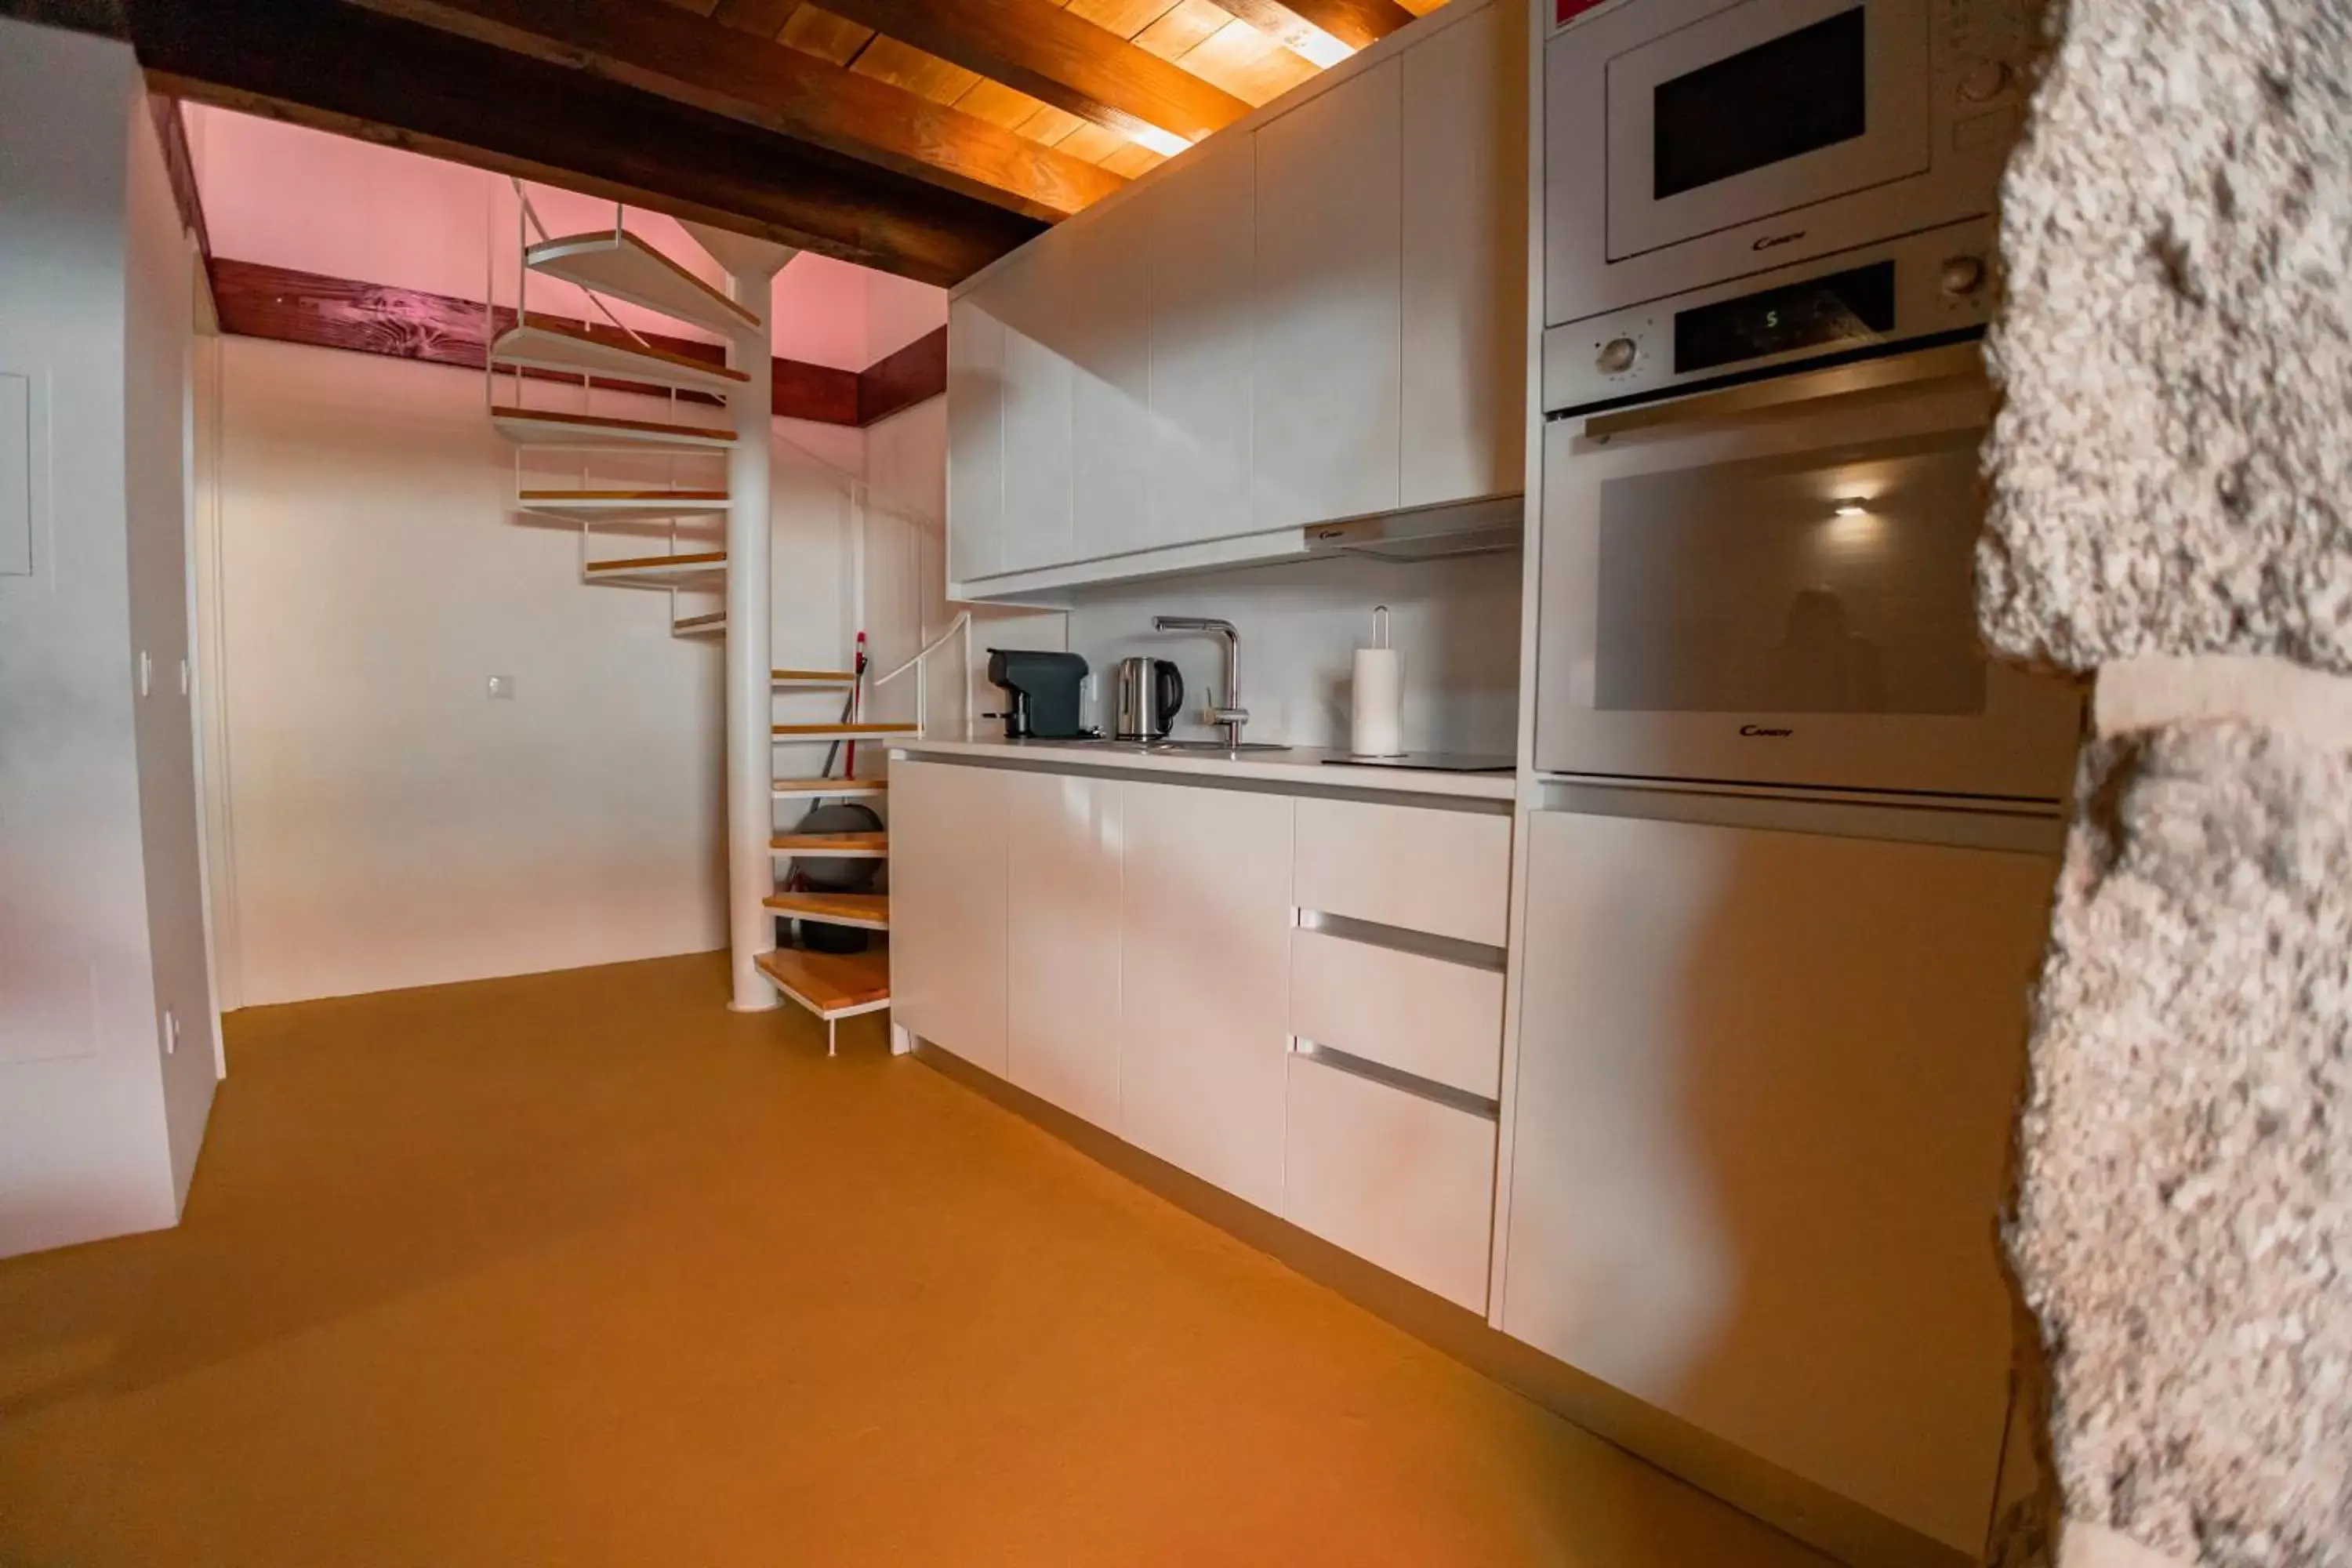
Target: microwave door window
x,y
1838,582
1798,93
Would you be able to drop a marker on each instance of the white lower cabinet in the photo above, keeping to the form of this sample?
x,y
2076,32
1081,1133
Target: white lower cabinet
x,y
1762,1108
1431,1017
947,907
1397,1179
1062,846
1204,946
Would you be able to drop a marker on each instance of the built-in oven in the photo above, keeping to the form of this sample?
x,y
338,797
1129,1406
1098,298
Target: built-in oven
x,y
1774,584
1701,145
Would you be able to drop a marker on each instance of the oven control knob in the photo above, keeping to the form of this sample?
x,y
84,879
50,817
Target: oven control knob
x,y
1962,276
1983,81
1617,355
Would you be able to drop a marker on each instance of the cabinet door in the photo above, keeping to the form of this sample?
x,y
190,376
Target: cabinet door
x,y
1204,937
1762,1112
1032,295
1203,218
1111,424
947,907
1062,843
1466,261
975,438
1327,307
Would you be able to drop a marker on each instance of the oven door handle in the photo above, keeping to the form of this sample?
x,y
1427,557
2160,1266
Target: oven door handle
x,y
1948,362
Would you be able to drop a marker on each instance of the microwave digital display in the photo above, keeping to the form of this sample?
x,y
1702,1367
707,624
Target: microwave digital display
x,y
1853,306
1798,93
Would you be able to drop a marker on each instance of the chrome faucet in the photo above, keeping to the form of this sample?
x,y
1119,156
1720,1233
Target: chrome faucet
x,y
1232,714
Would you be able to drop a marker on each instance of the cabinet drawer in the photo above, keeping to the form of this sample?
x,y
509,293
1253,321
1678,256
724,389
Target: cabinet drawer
x,y
1401,1182
1446,872
1426,1016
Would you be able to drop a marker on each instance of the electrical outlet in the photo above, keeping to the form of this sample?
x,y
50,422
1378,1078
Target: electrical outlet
x,y
502,688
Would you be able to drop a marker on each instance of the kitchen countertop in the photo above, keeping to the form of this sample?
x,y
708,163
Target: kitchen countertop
x,y
1295,765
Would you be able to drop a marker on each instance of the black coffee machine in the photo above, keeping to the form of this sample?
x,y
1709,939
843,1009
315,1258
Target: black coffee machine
x,y
1042,689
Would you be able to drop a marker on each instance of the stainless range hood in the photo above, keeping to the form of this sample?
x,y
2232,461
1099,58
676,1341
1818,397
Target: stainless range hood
x,y
1465,528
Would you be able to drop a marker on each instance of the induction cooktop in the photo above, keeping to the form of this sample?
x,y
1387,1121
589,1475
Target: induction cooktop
x,y
1434,762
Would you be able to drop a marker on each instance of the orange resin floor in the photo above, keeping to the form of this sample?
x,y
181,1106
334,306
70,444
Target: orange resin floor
x,y
583,1268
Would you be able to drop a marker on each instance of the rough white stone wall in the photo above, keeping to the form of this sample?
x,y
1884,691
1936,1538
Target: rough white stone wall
x,y
2171,477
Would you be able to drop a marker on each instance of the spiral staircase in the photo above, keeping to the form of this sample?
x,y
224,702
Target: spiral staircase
x,y
682,476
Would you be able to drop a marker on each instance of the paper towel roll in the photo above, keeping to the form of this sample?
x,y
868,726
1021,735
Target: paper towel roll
x,y
1379,727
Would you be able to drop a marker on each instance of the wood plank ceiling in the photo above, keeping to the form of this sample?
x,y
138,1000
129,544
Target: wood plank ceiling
x,y
1035,67
924,137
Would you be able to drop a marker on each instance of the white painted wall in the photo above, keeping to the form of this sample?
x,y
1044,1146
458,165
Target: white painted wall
x,y
906,576
1457,621
100,927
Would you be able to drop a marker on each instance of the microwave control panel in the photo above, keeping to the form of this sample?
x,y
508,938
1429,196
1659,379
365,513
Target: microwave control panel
x,y
1934,286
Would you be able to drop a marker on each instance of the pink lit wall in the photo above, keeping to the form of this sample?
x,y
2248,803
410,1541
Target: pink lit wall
x,y
288,196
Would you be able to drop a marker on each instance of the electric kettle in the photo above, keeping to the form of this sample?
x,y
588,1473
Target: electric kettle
x,y
1149,694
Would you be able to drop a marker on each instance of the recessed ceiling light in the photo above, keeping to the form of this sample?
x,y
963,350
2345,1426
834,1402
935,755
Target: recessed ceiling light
x,y
1319,47
1850,509
1167,143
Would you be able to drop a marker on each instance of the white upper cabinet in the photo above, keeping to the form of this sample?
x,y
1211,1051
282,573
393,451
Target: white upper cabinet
x,y
1202,219
975,438
1032,299
1316,314
1113,446
1465,261
1326,387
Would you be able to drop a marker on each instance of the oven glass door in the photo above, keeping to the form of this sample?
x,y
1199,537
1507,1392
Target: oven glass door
x,y
1763,108
1785,598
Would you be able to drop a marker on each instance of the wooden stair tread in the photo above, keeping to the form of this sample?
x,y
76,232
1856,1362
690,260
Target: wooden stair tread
x,y
659,562
873,843
699,625
812,676
619,264
825,732
696,496
620,506
830,982
549,427
848,909
554,345
829,786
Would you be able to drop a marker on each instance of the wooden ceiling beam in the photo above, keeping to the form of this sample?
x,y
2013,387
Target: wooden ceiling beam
x,y
1039,48
338,67
706,65
1301,25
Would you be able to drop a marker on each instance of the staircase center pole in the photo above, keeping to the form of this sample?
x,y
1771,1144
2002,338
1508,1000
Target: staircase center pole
x,y
750,756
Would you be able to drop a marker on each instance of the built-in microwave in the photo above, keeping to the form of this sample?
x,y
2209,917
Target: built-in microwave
x,y
1774,585
1822,170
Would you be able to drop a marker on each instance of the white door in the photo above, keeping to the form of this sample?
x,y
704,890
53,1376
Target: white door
x,y
1062,958
1202,217
1326,401
1031,294
1204,940
947,907
1466,261
1112,439
975,439
1762,1115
